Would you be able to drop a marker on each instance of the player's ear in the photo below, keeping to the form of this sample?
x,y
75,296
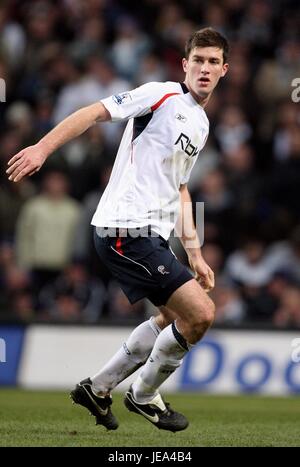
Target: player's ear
x,y
184,64
224,69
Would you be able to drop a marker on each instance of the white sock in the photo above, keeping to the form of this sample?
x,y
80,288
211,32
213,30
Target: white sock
x,y
128,358
167,354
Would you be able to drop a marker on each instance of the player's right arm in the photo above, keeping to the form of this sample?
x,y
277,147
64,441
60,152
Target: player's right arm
x,y
135,103
30,160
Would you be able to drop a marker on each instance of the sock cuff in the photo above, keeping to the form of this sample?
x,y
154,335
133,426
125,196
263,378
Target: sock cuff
x,y
154,326
179,337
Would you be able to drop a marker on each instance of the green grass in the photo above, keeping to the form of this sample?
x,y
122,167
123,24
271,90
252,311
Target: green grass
x,y
40,418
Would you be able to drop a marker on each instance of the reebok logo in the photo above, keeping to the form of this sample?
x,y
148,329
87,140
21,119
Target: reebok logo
x,y
181,118
186,145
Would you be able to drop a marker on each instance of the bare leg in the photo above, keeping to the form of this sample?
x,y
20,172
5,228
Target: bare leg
x,y
194,310
195,313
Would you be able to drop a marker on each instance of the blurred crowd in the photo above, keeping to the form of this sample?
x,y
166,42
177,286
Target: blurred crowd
x,y
57,56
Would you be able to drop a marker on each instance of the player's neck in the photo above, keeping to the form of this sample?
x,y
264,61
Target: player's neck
x,y
202,101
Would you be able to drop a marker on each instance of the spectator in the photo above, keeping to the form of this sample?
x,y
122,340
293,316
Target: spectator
x,y
12,39
119,308
288,313
45,229
74,295
129,47
230,308
22,306
218,208
285,255
84,232
249,266
288,117
244,182
233,129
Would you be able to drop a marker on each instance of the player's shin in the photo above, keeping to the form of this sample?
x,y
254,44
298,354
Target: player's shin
x,y
167,354
128,358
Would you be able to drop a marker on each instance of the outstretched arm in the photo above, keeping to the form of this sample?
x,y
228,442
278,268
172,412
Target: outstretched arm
x,y
30,160
189,238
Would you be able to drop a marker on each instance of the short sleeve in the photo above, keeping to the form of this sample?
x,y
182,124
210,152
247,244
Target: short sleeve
x,y
189,164
135,103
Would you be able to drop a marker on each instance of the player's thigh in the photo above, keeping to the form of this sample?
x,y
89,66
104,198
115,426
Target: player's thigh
x,y
191,303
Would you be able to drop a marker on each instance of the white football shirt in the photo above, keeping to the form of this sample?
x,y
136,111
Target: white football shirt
x,y
166,131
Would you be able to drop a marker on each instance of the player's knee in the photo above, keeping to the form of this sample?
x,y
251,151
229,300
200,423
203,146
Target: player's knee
x,y
205,316
208,314
163,320
165,317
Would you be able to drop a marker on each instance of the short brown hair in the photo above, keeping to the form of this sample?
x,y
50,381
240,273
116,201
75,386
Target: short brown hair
x,y
207,37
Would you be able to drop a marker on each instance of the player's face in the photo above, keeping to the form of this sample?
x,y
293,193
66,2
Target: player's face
x,y
203,69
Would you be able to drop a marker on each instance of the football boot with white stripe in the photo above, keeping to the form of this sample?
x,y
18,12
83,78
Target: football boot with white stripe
x,y
157,412
99,406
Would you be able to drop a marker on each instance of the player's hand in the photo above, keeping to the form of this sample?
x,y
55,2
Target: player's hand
x,y
26,162
203,273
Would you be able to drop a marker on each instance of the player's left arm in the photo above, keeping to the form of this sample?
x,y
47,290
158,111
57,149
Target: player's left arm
x,y
186,230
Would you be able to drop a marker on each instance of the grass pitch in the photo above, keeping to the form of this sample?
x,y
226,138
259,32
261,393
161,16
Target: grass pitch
x,y
43,418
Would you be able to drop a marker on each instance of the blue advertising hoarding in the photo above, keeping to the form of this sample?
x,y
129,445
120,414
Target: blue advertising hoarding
x,y
11,342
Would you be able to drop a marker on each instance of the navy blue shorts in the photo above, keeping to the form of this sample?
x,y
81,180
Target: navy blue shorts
x,y
144,266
